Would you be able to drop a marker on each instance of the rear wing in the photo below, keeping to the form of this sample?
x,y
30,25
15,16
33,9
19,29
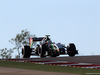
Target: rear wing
x,y
31,40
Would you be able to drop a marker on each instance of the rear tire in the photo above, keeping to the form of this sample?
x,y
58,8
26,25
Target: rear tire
x,y
54,55
26,52
42,51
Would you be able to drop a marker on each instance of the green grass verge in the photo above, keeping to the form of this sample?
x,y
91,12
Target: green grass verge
x,y
50,68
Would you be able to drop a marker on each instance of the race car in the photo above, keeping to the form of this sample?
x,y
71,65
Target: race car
x,y
47,48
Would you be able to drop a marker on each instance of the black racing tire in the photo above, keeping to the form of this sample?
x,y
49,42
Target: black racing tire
x,y
71,55
26,52
54,55
42,51
71,47
71,50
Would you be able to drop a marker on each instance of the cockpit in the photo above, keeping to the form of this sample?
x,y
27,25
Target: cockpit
x,y
46,40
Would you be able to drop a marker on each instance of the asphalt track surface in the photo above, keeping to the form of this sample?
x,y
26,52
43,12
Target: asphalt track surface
x,y
77,61
53,60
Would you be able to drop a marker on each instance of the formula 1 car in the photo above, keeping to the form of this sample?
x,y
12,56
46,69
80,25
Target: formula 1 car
x,y
47,48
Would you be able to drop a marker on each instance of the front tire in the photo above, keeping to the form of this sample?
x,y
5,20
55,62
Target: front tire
x,y
26,52
71,55
71,50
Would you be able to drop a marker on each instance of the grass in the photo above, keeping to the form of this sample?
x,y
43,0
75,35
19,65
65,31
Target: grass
x,y
50,68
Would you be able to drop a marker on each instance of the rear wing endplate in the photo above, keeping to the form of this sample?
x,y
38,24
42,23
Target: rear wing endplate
x,y
31,40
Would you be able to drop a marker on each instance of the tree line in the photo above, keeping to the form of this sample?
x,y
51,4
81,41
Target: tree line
x,y
20,40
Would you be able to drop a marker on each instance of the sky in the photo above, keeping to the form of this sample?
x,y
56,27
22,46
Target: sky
x,y
67,21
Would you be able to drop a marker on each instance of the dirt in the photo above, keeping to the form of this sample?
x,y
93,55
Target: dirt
x,y
15,71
